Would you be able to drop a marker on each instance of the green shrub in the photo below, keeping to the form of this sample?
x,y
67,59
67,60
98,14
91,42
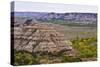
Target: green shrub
x,y
24,58
86,47
70,59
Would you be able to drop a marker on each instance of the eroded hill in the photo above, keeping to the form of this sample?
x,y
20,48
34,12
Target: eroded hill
x,y
40,37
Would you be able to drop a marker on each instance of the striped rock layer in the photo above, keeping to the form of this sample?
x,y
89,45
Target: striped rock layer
x,y
39,37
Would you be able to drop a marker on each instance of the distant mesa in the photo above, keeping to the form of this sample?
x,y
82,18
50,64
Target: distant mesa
x,y
75,17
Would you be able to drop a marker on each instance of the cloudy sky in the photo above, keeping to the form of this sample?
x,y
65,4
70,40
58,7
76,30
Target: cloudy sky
x,y
52,7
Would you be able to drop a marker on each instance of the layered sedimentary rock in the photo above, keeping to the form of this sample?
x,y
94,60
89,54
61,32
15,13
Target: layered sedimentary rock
x,y
39,37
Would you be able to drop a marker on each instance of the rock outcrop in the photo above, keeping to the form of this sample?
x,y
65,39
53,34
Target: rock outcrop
x,y
40,37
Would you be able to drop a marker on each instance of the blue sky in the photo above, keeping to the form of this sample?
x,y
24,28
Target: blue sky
x,y
24,6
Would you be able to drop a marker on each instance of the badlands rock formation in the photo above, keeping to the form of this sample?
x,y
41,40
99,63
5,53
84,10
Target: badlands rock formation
x,y
39,37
